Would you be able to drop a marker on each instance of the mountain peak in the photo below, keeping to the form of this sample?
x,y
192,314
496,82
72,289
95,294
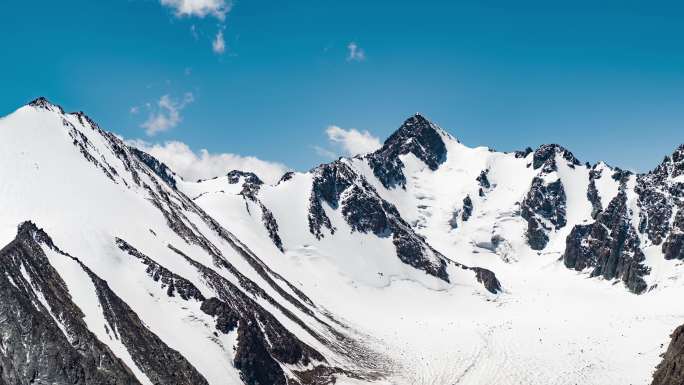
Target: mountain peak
x,y
545,154
417,123
42,102
418,136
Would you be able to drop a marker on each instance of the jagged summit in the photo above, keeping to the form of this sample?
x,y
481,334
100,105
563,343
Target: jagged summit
x,y
545,155
418,136
417,127
234,176
44,103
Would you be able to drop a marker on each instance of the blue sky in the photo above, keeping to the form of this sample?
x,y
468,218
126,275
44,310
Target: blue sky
x,y
605,80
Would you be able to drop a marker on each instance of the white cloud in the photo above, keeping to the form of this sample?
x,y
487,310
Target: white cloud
x,y
218,45
203,165
199,8
355,53
134,110
353,141
166,115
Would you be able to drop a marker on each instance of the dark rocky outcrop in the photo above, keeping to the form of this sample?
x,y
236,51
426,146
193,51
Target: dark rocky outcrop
x,y
610,247
660,196
524,153
330,181
467,208
673,247
42,103
47,342
339,186
252,358
488,279
545,157
593,194
670,371
263,343
226,318
417,136
271,225
160,363
159,168
620,175
463,213
544,210
483,181
172,282
251,184
287,176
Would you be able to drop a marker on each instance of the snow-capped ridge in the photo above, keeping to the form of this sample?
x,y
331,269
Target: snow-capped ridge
x,y
44,103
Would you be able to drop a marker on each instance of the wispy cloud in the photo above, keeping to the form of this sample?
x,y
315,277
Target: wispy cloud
x,y
199,8
217,9
353,141
355,53
167,114
218,45
193,165
348,142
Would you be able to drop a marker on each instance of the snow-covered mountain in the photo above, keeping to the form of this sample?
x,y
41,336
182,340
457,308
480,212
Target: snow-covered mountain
x,y
425,262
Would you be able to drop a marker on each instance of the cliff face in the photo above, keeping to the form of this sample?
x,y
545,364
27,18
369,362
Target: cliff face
x,y
671,370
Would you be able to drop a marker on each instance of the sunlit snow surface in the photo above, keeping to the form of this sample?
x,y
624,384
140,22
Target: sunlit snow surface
x,y
551,325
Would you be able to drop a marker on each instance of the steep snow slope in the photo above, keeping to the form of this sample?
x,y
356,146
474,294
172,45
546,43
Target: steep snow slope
x,y
117,212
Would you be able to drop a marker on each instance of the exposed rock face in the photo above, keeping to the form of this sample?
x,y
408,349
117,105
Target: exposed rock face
x,y
544,210
660,194
524,153
488,279
43,103
250,182
673,247
339,186
416,136
160,363
263,343
226,318
47,342
330,181
173,283
250,190
592,192
158,167
610,247
545,157
287,176
483,181
544,206
670,371
467,208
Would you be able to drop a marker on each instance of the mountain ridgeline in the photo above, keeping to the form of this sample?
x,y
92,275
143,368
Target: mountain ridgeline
x,y
116,270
